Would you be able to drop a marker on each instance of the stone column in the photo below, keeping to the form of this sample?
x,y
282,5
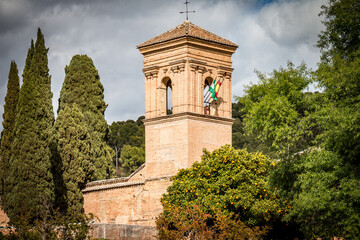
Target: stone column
x,y
147,94
175,88
192,89
228,109
200,90
153,107
184,83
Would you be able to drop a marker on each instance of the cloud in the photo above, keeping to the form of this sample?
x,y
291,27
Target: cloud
x,y
268,34
291,23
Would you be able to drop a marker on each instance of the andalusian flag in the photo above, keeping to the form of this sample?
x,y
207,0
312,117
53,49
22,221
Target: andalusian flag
x,y
214,89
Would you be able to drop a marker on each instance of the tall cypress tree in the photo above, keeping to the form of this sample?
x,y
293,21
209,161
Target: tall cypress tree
x,y
11,100
74,150
82,86
30,172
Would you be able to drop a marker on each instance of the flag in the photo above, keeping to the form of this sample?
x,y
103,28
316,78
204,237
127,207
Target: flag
x,y
214,89
217,88
211,92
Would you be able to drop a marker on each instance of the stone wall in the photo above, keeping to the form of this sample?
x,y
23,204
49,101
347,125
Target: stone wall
x,y
3,218
123,232
132,201
176,141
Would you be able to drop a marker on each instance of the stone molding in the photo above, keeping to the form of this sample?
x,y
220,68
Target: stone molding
x,y
113,180
159,178
178,62
188,115
112,186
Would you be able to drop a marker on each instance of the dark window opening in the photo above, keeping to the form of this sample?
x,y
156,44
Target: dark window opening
x,y
169,106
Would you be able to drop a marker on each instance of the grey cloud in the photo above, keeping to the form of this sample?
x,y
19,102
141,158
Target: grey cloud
x,y
109,31
291,23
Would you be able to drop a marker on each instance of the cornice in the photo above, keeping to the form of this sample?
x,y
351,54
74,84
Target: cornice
x,y
188,115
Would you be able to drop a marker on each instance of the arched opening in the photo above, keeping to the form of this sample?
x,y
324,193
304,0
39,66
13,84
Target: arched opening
x,y
207,95
169,106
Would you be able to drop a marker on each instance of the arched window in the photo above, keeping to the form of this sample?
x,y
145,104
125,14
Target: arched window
x,y
207,83
169,107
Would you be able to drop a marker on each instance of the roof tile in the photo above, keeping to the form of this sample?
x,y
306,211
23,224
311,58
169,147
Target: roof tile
x,y
186,29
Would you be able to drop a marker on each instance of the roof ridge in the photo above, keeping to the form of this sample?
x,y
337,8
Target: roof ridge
x,y
187,28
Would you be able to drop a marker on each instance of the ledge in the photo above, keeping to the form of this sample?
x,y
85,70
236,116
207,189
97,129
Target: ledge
x,y
112,186
189,115
159,178
112,180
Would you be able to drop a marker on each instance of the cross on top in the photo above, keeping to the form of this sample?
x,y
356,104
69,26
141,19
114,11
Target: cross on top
x,y
187,12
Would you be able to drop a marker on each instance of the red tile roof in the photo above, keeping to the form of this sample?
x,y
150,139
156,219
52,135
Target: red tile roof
x,y
187,29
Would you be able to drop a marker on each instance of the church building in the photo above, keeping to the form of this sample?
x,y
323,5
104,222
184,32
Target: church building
x,y
181,119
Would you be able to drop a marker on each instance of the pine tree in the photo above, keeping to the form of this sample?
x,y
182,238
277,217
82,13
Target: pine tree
x,y
82,86
74,150
11,100
30,172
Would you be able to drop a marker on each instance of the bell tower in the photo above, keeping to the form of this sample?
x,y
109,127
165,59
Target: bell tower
x,y
180,120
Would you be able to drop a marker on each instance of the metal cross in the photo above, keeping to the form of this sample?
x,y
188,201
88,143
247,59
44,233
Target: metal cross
x,y
187,12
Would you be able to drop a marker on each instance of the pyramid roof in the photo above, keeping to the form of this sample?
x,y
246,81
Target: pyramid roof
x,y
187,29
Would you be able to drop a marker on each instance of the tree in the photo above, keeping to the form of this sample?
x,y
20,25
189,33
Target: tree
x,y
31,180
325,203
11,100
340,116
204,226
74,148
341,35
278,111
132,157
82,87
126,133
241,139
231,182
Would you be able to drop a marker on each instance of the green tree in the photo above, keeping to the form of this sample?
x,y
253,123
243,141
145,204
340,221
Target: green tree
x,y
341,35
74,148
132,157
340,116
241,139
82,87
31,181
326,197
11,100
126,133
278,110
230,181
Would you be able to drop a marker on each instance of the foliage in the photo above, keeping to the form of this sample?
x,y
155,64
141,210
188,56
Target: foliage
x,y
342,34
59,226
340,116
82,87
228,181
241,139
277,109
132,157
11,100
322,194
74,146
204,226
130,133
30,178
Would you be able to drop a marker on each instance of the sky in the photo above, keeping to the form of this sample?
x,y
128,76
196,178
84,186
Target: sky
x,y
269,34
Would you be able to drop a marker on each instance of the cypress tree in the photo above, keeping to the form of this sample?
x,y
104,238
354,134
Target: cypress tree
x,y
11,100
82,86
74,150
30,172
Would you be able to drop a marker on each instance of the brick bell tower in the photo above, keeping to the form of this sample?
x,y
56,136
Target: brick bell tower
x,y
179,67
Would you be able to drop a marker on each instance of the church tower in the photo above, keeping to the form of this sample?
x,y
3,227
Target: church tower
x,y
180,118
